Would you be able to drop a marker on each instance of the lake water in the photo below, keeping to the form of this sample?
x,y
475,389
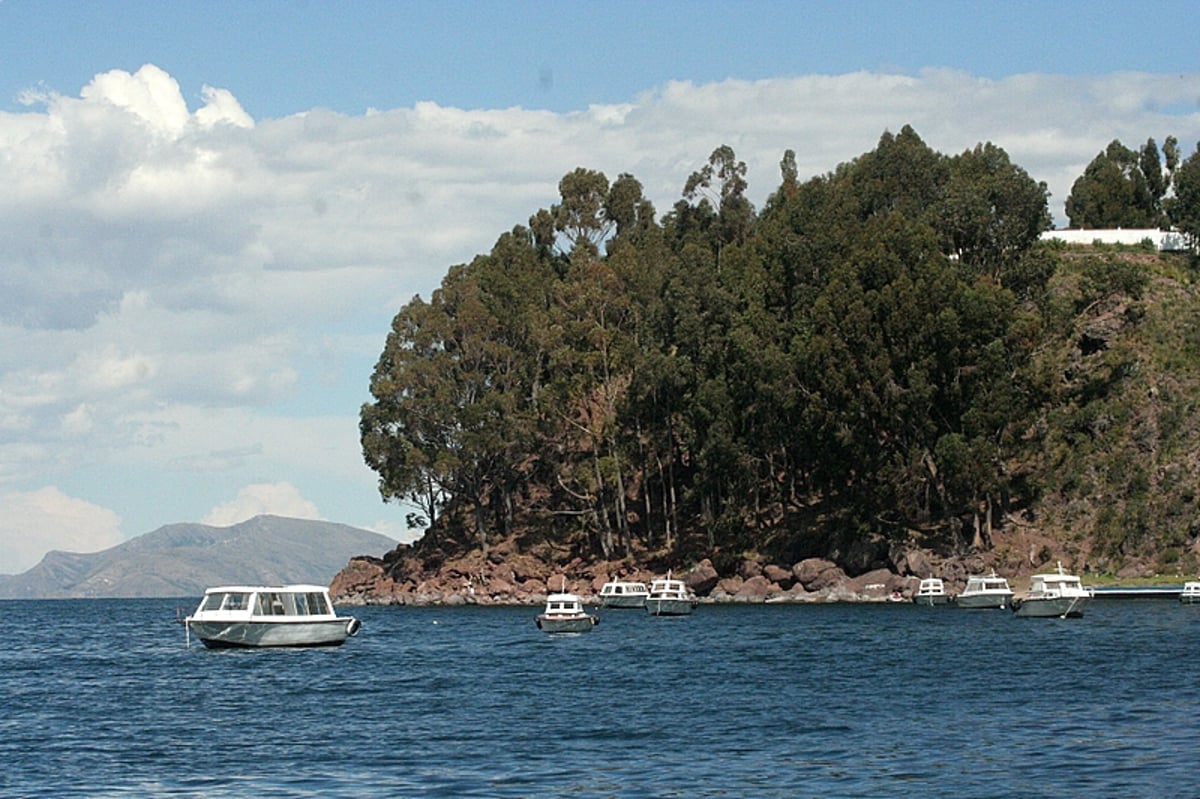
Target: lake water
x,y
100,698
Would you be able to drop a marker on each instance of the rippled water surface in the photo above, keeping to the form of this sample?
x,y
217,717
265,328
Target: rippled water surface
x,y
101,698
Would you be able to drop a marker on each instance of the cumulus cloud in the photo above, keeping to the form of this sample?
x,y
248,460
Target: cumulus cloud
x,y
278,499
186,290
397,530
33,523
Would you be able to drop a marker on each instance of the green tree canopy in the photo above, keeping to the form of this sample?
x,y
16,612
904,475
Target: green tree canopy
x,y
1185,210
706,377
1120,188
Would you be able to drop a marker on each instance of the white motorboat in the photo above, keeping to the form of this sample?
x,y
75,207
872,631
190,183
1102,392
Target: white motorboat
x,y
931,591
1053,595
564,613
268,615
623,594
1190,595
985,591
670,597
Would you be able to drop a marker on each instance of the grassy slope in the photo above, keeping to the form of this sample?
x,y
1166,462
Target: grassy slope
x,y
1113,462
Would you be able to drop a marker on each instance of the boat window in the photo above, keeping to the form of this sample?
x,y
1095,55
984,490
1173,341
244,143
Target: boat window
x,y
235,601
269,604
317,605
213,601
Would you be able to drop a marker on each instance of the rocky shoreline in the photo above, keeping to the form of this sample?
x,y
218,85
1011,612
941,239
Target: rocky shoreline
x,y
509,574
513,579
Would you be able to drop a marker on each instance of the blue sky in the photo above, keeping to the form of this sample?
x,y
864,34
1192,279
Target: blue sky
x,y
213,210
280,58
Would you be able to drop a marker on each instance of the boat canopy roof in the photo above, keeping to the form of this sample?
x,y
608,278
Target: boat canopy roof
x,y
1061,579
276,589
558,603
987,581
623,586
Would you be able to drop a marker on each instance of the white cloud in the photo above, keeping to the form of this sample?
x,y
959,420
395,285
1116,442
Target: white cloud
x,y
221,107
278,499
33,523
202,294
397,530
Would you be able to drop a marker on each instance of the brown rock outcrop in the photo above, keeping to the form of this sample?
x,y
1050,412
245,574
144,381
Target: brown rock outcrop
x,y
702,578
779,575
757,589
817,574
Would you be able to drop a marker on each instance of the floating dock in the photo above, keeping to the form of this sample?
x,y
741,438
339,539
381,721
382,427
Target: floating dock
x,y
1140,592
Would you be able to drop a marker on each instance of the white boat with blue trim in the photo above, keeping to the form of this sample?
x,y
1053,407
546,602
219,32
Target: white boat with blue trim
x,y
268,616
931,591
985,591
1190,595
564,613
623,594
1054,595
670,597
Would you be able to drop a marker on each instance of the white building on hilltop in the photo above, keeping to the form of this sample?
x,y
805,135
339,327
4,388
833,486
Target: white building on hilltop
x,y
1163,240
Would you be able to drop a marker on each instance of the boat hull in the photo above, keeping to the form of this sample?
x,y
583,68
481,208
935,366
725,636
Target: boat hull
x,y
623,602
932,601
984,601
1049,608
669,607
251,634
573,624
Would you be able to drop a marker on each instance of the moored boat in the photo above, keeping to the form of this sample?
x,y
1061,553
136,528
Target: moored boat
x,y
985,591
268,616
1190,595
931,591
1057,594
670,597
564,613
623,594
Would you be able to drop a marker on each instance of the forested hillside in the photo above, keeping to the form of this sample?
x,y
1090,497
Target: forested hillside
x,y
883,356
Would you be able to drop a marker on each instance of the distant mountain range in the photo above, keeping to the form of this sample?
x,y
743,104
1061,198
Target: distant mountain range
x,y
181,560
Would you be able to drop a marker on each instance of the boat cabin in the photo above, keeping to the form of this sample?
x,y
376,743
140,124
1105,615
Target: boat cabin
x,y
931,586
987,583
1051,585
239,602
669,588
563,605
617,589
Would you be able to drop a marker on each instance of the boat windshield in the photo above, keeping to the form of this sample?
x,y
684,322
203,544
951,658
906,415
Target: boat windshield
x,y
227,601
272,603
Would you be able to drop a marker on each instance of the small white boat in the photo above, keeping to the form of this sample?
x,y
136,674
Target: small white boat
x,y
931,591
1053,595
985,591
1190,595
268,615
623,594
564,614
670,597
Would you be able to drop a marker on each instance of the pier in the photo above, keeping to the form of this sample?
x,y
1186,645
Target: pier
x,y
1139,592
